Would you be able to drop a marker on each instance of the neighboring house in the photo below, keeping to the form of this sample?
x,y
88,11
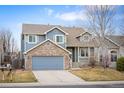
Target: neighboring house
x,y
53,47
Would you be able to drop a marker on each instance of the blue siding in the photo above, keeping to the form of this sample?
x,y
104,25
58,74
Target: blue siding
x,y
47,63
40,38
51,35
28,46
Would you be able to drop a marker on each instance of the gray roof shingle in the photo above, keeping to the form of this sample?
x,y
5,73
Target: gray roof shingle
x,y
118,39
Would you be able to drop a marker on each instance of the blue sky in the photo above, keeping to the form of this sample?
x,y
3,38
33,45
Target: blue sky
x,y
12,17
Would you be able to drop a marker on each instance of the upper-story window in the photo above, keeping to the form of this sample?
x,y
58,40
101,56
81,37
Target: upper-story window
x,y
59,39
32,39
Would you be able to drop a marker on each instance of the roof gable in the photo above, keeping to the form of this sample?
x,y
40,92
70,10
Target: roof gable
x,y
55,28
84,34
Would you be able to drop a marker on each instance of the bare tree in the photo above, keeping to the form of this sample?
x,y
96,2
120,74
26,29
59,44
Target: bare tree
x,y
6,36
8,42
122,24
12,45
13,48
3,40
100,22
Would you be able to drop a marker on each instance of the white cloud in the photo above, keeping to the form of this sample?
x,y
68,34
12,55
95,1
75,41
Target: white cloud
x,y
49,11
71,16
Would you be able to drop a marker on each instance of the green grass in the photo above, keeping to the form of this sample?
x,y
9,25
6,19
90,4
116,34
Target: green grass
x,y
98,74
19,76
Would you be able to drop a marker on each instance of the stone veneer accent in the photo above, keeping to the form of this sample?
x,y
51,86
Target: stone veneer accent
x,y
48,48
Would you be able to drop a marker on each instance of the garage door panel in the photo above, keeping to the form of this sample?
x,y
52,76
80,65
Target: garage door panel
x,y
47,63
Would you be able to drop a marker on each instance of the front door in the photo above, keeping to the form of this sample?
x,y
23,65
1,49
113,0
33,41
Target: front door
x,y
92,51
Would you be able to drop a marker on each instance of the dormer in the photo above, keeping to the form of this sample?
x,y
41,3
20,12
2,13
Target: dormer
x,y
85,37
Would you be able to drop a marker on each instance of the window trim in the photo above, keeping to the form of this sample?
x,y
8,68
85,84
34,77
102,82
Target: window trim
x,y
32,42
62,39
84,54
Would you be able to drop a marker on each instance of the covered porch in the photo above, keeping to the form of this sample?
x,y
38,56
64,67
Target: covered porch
x,y
81,55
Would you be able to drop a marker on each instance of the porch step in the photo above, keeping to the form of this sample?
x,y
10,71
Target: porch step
x,y
79,64
75,65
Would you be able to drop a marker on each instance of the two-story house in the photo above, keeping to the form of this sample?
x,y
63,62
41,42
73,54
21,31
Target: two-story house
x,y
53,47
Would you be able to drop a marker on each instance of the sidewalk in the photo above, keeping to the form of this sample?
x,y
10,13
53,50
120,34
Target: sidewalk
x,y
62,84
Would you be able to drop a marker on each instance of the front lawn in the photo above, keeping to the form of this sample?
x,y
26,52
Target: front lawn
x,y
19,76
98,74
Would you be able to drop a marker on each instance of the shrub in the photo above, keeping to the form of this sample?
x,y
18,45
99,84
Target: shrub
x,y
120,64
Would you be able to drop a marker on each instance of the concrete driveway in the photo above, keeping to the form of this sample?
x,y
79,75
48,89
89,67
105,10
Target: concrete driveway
x,y
61,77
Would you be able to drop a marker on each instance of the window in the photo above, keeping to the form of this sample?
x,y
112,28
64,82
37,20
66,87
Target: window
x,y
83,52
86,37
113,56
59,39
32,39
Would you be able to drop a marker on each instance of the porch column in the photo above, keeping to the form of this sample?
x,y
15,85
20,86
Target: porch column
x,y
89,54
78,54
75,54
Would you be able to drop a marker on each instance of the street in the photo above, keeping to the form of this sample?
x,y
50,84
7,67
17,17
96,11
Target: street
x,y
69,86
